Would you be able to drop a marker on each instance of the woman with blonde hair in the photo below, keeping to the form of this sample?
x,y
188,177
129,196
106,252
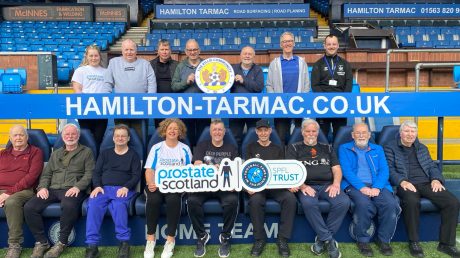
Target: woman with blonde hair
x,y
89,78
170,152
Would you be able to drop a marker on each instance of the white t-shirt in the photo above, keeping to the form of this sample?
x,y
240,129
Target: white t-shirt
x,y
161,155
92,79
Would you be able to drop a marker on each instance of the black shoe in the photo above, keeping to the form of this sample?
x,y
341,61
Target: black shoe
x,y
283,247
365,249
200,250
385,248
123,250
449,250
92,251
415,249
333,249
258,247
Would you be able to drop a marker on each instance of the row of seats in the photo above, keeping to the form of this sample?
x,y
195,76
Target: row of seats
x,y
428,37
321,6
159,24
409,22
12,80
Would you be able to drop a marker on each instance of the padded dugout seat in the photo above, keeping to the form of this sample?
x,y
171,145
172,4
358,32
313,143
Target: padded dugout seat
x,y
296,136
251,137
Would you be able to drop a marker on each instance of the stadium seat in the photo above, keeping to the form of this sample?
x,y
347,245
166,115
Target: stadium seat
x,y
296,136
38,138
251,137
135,142
388,133
344,136
228,138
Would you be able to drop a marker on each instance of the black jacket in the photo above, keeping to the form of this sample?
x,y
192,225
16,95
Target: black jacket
x,y
172,66
320,75
399,164
253,81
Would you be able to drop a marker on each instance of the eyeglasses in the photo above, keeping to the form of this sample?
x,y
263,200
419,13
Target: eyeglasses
x,y
287,41
192,50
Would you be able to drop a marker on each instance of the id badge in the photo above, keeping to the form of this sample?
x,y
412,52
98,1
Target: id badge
x,y
332,82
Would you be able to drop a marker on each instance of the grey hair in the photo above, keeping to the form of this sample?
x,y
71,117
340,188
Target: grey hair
x,y
286,33
408,123
357,124
69,125
308,122
22,128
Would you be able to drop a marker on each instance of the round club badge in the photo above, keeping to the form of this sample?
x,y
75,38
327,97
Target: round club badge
x,y
54,230
255,175
214,75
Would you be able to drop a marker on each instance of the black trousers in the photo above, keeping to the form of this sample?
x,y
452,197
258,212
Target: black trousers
x,y
153,204
237,127
447,203
325,125
283,128
229,203
96,126
70,210
288,203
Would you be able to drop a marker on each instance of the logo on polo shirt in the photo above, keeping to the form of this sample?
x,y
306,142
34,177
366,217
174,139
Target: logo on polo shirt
x,y
214,75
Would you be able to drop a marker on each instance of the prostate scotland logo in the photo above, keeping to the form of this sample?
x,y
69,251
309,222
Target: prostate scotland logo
x,y
214,75
253,175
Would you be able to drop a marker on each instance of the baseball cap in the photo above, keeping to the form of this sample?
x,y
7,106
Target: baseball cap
x,y
262,123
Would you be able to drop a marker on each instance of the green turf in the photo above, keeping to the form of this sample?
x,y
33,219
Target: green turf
x,y
451,171
242,250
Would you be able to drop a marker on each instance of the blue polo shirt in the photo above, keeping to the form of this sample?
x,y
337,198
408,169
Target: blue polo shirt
x,y
290,74
364,171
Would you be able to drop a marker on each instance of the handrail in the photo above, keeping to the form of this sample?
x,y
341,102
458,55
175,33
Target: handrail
x,y
389,51
419,66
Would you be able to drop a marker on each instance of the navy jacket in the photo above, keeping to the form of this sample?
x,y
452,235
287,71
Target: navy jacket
x,y
375,159
399,165
253,81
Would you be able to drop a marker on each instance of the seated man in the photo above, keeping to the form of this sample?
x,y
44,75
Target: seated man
x,y
212,152
366,181
65,179
115,177
416,175
322,183
265,149
20,166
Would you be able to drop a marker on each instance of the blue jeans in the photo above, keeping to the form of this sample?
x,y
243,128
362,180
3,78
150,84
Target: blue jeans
x,y
118,208
386,206
325,230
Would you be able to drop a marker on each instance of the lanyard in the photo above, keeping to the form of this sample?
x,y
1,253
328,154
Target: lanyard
x,y
331,69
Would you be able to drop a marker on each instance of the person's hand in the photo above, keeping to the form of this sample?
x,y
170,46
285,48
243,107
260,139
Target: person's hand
x,y
436,186
3,198
333,190
191,78
96,191
366,191
294,189
72,192
122,192
408,186
239,78
307,190
375,192
43,193
152,187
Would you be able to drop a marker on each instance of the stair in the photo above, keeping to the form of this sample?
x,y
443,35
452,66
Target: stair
x,y
137,34
323,26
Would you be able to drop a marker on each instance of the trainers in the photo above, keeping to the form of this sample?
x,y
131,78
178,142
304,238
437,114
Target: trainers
x,y
224,249
149,251
123,250
333,249
385,248
14,251
39,249
452,251
200,250
92,251
365,249
258,247
55,251
318,247
283,247
168,250
415,249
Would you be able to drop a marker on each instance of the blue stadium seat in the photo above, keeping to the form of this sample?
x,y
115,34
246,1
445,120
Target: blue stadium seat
x,y
63,74
135,142
388,133
228,138
251,137
38,138
344,136
296,136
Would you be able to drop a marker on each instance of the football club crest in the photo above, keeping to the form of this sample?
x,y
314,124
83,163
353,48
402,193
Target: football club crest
x,y
53,233
214,75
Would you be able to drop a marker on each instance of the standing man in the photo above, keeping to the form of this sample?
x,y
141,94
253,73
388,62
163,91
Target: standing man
x,y
322,183
20,166
184,82
164,68
416,175
264,149
65,179
115,177
130,74
331,73
287,74
249,78
366,181
212,153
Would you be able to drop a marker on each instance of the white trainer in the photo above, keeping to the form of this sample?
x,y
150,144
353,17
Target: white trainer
x,y
168,250
149,249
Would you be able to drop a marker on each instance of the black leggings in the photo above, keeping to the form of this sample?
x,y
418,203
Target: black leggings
x,y
153,206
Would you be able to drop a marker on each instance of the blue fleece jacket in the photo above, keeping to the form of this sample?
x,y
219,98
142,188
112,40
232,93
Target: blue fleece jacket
x,y
375,159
